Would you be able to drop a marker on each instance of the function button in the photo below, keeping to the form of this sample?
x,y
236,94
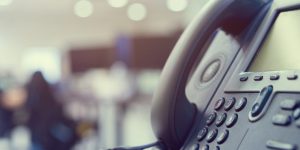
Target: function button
x,y
210,71
292,77
221,119
296,114
232,120
261,101
258,78
202,133
244,78
211,118
223,137
271,144
289,104
195,147
212,135
282,120
206,147
297,123
274,77
229,104
241,104
219,103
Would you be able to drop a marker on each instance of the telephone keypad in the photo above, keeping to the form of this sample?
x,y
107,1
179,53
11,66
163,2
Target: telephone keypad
x,y
212,135
203,132
226,116
221,119
229,104
223,137
241,104
232,120
211,118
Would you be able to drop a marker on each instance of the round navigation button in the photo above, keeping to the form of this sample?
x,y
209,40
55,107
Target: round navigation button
x,y
210,71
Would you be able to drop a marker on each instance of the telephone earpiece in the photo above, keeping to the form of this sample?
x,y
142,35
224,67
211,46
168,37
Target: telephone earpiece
x,y
172,114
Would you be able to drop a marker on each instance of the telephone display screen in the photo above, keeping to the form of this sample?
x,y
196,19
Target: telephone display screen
x,y
281,48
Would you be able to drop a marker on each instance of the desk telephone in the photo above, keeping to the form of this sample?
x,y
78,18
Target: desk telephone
x,y
231,82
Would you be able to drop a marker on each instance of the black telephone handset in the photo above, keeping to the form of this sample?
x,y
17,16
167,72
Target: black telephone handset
x,y
173,116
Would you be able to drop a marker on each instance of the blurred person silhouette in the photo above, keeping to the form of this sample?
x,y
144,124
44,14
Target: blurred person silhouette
x,y
12,113
6,123
50,128
12,98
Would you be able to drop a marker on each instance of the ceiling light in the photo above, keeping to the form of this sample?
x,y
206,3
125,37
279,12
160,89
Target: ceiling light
x,y
177,5
117,3
137,12
83,8
5,2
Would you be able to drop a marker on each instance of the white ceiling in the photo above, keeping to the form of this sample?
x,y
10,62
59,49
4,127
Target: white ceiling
x,y
52,23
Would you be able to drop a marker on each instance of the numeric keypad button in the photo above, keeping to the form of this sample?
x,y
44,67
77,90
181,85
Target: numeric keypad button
x,y
202,133
219,103
240,105
205,147
211,118
232,120
229,104
223,137
221,119
212,135
195,147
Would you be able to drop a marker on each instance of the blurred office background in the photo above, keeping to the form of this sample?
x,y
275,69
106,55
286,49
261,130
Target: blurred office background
x,y
80,74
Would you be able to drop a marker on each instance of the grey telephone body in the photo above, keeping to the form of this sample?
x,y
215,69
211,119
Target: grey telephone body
x,y
208,99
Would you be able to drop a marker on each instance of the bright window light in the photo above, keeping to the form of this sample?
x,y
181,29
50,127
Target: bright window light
x,y
5,2
46,60
177,5
117,3
137,12
83,8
